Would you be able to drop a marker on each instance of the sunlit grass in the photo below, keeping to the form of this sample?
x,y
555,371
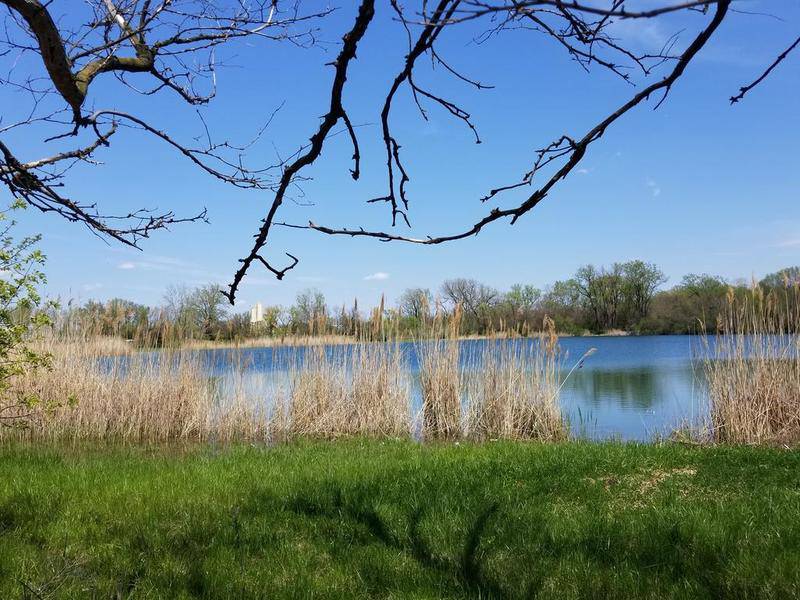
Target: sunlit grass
x,y
355,519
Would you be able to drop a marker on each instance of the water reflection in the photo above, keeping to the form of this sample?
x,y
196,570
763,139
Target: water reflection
x,y
630,389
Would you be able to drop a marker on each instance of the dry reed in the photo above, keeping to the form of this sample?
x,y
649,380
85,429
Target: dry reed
x,y
357,390
440,378
272,341
752,369
362,389
514,391
129,396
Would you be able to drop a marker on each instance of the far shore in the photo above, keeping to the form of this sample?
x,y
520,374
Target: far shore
x,y
334,340
119,345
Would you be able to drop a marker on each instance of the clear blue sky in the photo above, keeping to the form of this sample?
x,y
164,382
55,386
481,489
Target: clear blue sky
x,y
696,186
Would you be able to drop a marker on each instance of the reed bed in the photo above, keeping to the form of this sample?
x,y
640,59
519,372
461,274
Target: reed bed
x,y
752,369
129,396
510,390
271,341
344,391
101,391
514,392
442,386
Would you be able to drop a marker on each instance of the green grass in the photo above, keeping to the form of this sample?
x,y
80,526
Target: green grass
x,y
367,519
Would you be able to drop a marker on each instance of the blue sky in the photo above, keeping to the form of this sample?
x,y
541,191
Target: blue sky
x,y
695,186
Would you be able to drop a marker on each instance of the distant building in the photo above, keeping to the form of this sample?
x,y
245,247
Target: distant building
x,y
257,313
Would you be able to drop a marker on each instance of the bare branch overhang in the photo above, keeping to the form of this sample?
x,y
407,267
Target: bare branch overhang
x,y
574,149
366,11
54,54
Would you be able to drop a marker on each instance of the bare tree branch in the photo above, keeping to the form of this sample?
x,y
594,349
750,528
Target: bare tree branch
x,y
170,46
575,150
366,12
154,40
765,74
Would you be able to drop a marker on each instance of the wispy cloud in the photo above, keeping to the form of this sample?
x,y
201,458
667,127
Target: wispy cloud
x,y
379,276
168,264
583,171
654,188
156,263
646,34
789,243
91,287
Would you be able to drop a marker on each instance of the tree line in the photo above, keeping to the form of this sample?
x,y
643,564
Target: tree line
x,y
629,296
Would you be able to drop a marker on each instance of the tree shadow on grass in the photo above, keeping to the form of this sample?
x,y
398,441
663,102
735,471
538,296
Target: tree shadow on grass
x,y
653,557
463,574
667,556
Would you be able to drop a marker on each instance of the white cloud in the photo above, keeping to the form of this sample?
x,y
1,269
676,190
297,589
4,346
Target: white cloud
x,y
168,264
645,34
583,171
379,276
90,287
790,243
654,188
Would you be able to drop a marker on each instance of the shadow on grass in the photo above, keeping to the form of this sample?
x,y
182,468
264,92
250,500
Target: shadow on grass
x,y
464,574
664,556
385,541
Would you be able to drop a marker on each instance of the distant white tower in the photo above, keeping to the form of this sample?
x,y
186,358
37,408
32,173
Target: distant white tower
x,y
257,313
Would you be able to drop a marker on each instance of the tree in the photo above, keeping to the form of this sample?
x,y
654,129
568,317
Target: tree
x,y
582,29
707,295
523,297
474,298
308,312
562,303
641,282
415,303
517,306
602,291
272,319
208,308
170,46
784,278
20,275
179,310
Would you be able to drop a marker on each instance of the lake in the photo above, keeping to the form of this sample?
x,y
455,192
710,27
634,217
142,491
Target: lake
x,y
631,388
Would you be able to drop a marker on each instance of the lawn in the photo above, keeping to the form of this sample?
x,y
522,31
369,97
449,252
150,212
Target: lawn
x,y
356,519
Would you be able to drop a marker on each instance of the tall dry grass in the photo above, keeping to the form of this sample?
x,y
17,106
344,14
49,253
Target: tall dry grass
x,y
365,389
441,383
272,341
129,396
510,390
752,369
514,393
357,390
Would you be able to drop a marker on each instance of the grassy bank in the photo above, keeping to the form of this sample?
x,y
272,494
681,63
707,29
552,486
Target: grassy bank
x,y
396,519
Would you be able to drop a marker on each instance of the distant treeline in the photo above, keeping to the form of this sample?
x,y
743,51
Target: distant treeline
x,y
626,296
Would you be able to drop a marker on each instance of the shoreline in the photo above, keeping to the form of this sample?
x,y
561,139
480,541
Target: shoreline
x,y
335,340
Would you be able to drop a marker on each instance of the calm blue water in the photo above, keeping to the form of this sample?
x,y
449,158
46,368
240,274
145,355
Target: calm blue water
x,y
634,388
631,388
